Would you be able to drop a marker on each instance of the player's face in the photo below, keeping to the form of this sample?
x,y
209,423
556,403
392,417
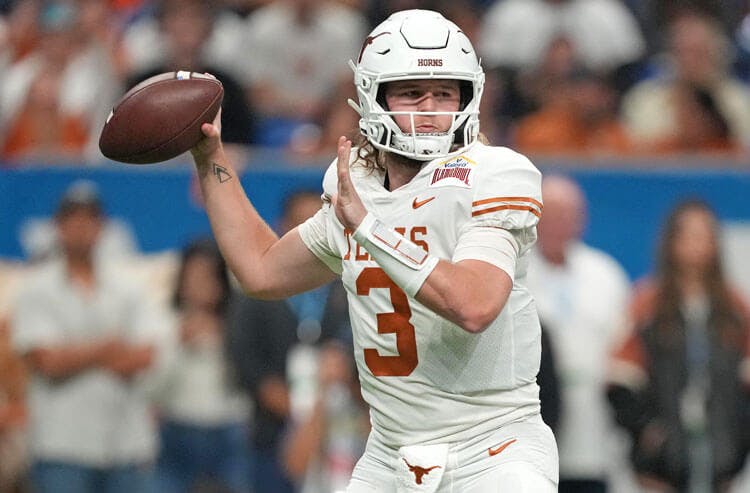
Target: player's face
x,y
425,95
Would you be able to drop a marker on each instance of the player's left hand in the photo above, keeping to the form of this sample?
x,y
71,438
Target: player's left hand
x,y
347,204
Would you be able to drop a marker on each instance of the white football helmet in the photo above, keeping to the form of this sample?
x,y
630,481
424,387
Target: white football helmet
x,y
417,44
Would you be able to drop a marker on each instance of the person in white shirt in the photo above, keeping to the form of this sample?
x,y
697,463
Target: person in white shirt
x,y
582,296
91,340
604,33
429,230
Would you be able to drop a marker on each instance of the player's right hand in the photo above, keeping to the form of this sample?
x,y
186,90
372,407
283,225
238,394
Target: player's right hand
x,y
210,144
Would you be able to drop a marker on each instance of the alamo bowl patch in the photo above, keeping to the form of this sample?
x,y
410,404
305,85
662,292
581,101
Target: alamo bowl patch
x,y
456,172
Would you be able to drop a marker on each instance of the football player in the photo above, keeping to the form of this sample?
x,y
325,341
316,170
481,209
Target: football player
x,y
429,230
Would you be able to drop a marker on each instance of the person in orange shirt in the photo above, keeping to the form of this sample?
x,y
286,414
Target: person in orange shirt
x,y
53,100
579,118
40,130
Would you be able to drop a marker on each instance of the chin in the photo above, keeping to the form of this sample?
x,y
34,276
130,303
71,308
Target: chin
x,y
407,162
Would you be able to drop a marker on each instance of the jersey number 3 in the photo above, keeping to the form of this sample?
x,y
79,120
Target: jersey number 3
x,y
396,322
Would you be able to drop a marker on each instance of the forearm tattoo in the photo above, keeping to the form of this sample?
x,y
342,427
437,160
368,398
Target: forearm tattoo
x,y
221,173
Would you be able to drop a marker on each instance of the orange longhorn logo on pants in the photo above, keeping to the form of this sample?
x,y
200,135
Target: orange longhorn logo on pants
x,y
420,471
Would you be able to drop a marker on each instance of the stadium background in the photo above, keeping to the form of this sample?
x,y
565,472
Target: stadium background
x,y
628,203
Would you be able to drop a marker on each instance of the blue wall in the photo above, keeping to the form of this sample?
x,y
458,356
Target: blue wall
x,y
626,207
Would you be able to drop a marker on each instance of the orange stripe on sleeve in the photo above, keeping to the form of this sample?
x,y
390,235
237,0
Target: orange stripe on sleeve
x,y
508,199
508,207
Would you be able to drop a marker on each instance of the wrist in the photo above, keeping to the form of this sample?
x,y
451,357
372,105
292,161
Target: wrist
x,y
205,157
406,263
363,229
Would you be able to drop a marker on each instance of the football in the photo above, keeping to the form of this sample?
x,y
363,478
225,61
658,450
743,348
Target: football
x,y
161,117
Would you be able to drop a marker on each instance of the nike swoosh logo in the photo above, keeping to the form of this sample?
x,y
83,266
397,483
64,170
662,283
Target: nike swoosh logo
x,y
419,203
500,447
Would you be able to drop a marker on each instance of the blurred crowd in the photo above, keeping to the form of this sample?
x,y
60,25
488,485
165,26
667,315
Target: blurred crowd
x,y
577,78
119,369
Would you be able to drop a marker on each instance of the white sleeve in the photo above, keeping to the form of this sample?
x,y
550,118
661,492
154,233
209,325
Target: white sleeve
x,y
508,195
33,322
314,234
163,336
495,246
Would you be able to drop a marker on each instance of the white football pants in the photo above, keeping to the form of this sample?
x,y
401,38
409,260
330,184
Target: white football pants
x,y
519,458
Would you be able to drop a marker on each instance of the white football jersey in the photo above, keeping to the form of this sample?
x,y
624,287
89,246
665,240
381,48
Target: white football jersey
x,y
426,379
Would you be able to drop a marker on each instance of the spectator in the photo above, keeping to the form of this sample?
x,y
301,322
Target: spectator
x,y
677,383
700,126
272,345
315,142
53,101
528,45
519,92
41,130
185,28
697,55
300,49
728,14
516,33
91,340
144,44
578,116
581,296
204,415
325,442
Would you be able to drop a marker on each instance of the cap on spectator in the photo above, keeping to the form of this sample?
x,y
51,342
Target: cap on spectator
x,y
81,194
